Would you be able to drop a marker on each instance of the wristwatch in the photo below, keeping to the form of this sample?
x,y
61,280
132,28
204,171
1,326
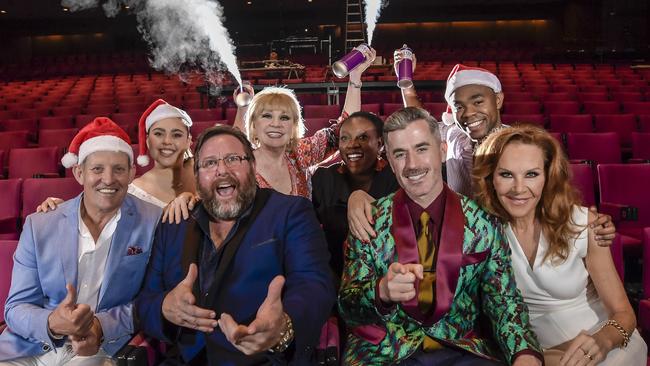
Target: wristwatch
x,y
286,336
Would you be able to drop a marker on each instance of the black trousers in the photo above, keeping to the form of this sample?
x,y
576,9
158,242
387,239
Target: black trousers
x,y
447,357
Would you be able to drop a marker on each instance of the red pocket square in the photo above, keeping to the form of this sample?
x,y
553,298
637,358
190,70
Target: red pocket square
x,y
133,250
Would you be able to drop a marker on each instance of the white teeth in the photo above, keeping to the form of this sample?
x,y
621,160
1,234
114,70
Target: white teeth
x,y
274,134
354,157
474,124
225,191
225,185
107,190
416,177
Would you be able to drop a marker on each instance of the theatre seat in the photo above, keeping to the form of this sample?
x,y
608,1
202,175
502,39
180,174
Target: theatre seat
x,y
42,160
583,181
321,111
597,148
36,190
10,194
623,195
7,249
571,123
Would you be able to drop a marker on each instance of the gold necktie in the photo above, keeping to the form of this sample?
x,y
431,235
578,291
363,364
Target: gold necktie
x,y
427,251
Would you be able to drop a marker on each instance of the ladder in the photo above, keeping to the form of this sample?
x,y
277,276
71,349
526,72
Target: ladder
x,y
354,25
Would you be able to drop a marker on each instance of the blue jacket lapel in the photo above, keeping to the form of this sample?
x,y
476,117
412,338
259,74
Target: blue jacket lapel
x,y
70,231
119,245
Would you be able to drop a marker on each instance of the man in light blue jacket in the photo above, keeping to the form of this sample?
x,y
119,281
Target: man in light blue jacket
x,y
77,269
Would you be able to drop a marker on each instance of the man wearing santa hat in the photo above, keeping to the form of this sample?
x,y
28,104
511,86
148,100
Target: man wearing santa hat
x,y
77,269
475,97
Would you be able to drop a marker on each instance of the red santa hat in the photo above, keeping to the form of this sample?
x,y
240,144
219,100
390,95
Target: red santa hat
x,y
157,111
462,75
101,134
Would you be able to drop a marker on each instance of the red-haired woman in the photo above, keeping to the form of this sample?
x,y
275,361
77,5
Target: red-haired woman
x,y
577,303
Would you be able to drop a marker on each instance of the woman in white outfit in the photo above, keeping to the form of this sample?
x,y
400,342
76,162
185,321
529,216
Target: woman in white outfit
x,y
164,134
577,303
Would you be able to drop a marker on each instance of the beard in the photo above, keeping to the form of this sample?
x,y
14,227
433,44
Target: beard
x,y
233,208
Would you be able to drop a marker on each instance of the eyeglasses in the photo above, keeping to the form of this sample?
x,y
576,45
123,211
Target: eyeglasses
x,y
231,161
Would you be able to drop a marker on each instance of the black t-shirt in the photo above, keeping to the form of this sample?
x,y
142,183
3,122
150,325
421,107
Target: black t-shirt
x,y
330,193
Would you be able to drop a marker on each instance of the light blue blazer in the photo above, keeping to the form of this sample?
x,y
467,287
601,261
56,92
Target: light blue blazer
x,y
46,260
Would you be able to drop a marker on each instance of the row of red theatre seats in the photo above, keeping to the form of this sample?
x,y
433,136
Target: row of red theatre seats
x,y
14,109
131,93
116,101
127,92
62,116
588,82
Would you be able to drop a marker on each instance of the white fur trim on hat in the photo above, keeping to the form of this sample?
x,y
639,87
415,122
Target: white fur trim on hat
x,y
471,77
104,143
167,111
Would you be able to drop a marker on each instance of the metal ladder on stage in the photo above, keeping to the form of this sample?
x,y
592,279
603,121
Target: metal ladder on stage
x,y
354,26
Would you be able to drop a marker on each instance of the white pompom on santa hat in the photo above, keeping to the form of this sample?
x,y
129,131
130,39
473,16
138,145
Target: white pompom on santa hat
x,y
448,116
462,75
101,134
157,111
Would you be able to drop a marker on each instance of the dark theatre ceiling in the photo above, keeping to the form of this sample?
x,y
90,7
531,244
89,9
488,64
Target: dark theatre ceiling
x,y
48,16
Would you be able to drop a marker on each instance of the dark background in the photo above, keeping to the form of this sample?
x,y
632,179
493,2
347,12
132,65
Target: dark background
x,y
33,28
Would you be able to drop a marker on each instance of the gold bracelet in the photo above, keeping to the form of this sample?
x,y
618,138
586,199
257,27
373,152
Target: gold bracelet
x,y
624,333
286,336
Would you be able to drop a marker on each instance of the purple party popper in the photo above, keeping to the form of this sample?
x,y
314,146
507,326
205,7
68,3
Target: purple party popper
x,y
405,68
342,67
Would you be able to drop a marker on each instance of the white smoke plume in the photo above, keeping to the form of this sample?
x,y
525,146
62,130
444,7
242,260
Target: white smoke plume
x,y
182,33
75,5
372,12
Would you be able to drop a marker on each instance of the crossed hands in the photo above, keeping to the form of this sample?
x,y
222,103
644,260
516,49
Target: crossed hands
x,y
261,334
398,285
78,322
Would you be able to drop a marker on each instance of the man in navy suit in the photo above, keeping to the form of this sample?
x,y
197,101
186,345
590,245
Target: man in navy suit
x,y
244,281
77,269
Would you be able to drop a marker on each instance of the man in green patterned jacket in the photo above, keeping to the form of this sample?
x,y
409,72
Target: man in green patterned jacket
x,y
435,287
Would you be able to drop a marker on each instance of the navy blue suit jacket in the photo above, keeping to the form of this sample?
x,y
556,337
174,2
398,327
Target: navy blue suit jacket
x,y
284,239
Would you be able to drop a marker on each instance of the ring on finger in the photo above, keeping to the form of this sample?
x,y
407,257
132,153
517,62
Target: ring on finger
x,y
589,356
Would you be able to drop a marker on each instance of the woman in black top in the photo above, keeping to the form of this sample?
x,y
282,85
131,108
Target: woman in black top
x,y
361,168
